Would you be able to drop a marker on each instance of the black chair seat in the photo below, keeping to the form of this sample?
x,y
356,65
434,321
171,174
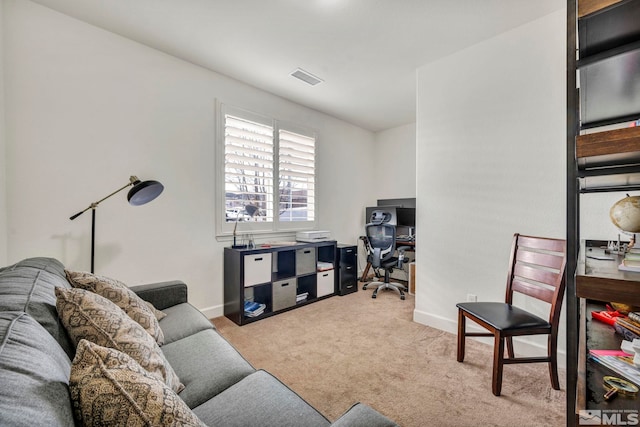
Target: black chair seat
x,y
504,317
391,262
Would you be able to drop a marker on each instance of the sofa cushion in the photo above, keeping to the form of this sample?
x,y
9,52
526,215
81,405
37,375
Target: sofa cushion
x,y
28,286
183,320
361,415
92,317
206,364
259,400
118,293
109,388
34,372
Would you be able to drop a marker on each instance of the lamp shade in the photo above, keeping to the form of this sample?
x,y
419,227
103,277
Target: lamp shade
x,y
144,192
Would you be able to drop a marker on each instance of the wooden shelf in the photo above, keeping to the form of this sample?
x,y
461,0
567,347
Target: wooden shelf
x,y
626,140
601,280
586,7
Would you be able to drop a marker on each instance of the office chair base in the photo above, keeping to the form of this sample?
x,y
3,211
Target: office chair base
x,y
386,285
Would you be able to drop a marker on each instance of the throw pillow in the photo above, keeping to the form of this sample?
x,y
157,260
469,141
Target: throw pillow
x,y
159,314
120,294
89,316
109,388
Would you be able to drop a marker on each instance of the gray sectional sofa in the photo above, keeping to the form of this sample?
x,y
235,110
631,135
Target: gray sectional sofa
x,y
221,387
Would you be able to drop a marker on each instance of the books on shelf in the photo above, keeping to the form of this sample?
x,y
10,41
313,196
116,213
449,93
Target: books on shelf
x,y
619,362
631,261
629,324
253,309
626,334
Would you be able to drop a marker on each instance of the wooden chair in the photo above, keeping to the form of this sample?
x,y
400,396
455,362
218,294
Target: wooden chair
x,y
536,269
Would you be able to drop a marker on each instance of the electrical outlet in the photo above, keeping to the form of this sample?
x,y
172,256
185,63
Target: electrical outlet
x,y
472,298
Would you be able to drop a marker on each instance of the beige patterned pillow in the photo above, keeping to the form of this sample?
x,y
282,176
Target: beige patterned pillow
x,y
120,294
159,314
109,388
89,316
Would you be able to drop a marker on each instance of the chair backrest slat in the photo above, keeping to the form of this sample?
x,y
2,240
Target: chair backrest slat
x,y
542,243
539,258
535,291
546,277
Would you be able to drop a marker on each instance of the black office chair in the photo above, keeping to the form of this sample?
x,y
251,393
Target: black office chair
x,y
380,243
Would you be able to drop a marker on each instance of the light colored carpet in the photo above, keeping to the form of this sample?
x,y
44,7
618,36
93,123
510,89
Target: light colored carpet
x,y
354,348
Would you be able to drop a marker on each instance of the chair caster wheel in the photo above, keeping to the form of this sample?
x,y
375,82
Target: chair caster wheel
x,y
364,288
402,297
373,296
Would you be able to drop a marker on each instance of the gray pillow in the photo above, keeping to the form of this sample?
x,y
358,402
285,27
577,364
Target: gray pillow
x,y
34,372
28,286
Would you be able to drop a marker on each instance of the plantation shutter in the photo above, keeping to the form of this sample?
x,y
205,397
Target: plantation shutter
x,y
296,166
248,166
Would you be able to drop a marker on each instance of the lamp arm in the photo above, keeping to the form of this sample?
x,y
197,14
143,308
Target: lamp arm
x,y
94,205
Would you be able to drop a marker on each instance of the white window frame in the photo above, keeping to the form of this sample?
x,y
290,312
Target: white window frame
x,y
224,228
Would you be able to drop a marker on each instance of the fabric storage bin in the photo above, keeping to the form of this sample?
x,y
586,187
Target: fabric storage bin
x,y
305,261
257,269
325,283
283,294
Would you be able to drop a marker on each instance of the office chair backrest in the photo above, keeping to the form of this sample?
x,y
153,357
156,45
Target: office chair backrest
x,y
537,269
381,238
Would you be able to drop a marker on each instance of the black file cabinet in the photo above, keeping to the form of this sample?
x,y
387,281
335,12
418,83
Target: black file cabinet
x,y
347,268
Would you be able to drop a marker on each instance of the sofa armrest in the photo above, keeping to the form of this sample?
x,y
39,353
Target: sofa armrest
x,y
361,415
163,294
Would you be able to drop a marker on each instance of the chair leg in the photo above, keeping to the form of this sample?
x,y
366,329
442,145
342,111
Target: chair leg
x,y
510,347
553,362
498,358
461,335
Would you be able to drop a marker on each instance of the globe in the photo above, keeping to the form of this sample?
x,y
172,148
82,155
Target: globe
x,y
625,214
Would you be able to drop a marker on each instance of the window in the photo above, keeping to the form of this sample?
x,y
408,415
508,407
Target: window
x,y
296,172
268,171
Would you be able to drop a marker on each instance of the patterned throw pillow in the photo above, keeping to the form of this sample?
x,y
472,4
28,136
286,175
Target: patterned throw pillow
x,y
120,294
89,316
109,388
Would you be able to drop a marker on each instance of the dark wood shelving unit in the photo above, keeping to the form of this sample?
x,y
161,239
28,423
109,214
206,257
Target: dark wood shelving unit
x,y
603,155
274,275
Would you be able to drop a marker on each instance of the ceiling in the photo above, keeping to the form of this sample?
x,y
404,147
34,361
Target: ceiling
x,y
366,51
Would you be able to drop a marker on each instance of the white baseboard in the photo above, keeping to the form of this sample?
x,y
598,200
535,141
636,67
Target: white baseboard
x,y
524,347
213,312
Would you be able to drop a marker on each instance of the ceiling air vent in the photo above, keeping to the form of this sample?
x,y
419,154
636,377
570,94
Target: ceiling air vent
x,y
306,77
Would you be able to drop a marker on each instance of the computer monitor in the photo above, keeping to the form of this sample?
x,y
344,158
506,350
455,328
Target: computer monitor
x,y
406,217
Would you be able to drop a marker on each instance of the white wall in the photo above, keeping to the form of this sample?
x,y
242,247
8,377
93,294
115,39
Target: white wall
x,y
395,162
490,163
3,166
86,108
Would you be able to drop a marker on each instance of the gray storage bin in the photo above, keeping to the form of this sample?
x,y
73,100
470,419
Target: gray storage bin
x,y
283,294
305,261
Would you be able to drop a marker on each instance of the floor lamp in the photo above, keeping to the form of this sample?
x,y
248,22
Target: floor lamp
x,y
142,192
